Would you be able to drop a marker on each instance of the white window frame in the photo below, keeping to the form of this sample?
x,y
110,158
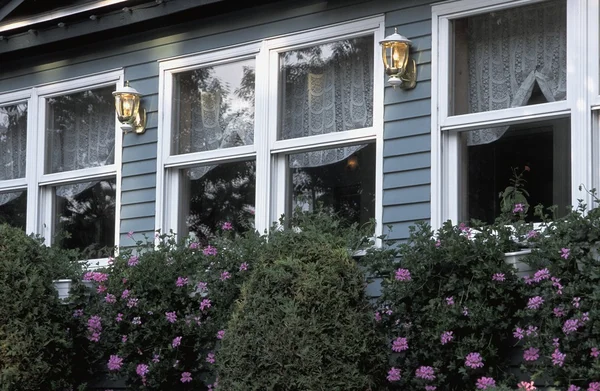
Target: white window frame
x,y
446,162
268,152
40,218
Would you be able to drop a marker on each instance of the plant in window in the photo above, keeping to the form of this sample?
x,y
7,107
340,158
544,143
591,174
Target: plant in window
x,y
513,199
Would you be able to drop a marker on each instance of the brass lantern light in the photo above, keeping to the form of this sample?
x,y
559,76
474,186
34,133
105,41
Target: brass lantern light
x,y
401,69
127,103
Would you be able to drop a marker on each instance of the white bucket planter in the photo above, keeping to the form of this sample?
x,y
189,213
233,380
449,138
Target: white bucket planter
x,y
63,287
516,260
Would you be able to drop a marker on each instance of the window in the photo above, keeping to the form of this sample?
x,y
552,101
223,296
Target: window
x,y
256,131
510,95
69,193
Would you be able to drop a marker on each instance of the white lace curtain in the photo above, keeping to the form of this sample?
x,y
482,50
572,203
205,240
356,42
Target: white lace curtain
x,y
13,146
510,52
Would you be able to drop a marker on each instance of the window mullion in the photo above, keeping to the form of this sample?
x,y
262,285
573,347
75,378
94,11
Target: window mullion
x,y
31,166
262,134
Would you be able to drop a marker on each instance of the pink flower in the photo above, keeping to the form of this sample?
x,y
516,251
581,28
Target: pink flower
x,y
438,243
171,316
123,338
125,294
393,374
585,316
564,253
518,208
474,360
524,386
110,298
78,313
205,304
570,326
556,342
101,289
450,300
402,275
595,352
465,311
225,276
186,377
425,372
535,302
573,388
531,330
220,334
227,226
209,250
114,363
133,302
377,316
541,275
244,266
576,301
484,382
558,358
498,277
181,281
194,245
518,333
558,312
400,344
156,359
202,286
594,386
531,354
532,234
142,370
119,317
210,357
176,342
133,261
446,337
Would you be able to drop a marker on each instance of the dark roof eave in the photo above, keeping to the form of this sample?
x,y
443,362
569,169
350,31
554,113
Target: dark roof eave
x,y
102,23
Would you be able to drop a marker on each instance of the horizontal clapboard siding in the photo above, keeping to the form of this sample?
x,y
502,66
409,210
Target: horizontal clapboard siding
x,y
406,193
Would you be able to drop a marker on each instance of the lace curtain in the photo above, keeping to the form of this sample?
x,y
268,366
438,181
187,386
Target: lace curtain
x,y
326,96
13,146
510,52
80,134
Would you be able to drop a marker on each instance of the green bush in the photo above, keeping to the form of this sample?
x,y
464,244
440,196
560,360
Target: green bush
x,y
303,321
35,342
159,310
449,306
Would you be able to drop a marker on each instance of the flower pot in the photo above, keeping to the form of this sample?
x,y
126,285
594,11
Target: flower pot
x,y
516,260
63,287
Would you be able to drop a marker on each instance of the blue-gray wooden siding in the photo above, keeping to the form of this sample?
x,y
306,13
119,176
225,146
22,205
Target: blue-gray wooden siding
x,y
406,183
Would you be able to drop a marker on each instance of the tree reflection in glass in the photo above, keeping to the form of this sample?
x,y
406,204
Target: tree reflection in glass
x,y
13,208
214,107
214,195
342,183
85,217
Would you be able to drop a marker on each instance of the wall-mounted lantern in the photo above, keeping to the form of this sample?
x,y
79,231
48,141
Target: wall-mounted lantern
x,y
401,69
129,113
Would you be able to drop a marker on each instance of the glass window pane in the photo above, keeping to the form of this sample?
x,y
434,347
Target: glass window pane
x,y
80,130
13,141
327,88
213,107
510,58
213,195
540,152
13,208
341,179
85,216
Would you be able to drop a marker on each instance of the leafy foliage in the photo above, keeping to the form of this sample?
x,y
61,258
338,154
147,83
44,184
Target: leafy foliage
x,y
35,338
303,321
451,296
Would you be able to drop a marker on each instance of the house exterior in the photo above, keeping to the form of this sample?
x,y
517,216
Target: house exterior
x,y
254,111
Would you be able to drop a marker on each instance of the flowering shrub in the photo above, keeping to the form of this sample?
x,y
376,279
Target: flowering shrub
x,y
303,321
35,338
449,307
559,329
159,313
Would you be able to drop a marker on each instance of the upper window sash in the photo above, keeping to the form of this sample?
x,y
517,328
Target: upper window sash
x,y
370,26
443,17
109,79
168,70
